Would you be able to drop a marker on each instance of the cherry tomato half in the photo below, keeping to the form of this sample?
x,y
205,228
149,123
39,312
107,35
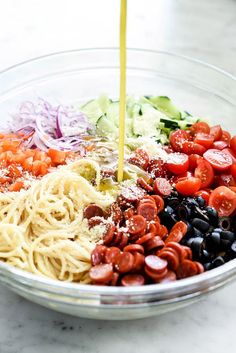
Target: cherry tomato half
x,y
193,159
220,145
177,163
177,138
188,186
191,147
223,200
201,126
218,159
205,140
216,132
230,153
205,173
233,170
226,137
233,143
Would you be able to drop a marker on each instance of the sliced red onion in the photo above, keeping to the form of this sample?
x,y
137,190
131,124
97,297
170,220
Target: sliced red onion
x,y
58,127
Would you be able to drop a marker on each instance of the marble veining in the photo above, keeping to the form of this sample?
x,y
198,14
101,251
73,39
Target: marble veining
x,y
205,29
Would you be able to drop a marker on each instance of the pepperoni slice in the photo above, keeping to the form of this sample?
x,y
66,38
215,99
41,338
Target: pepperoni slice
x,y
171,257
141,182
115,279
162,187
187,253
152,228
199,267
162,231
132,194
98,254
134,248
154,243
109,234
95,221
125,262
132,280
145,238
101,273
136,224
156,277
111,255
138,262
117,238
187,269
93,211
147,210
170,277
155,263
177,232
124,241
178,249
115,212
129,213
159,203
140,158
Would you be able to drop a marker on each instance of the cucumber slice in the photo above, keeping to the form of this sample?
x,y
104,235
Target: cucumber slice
x,y
146,124
113,111
94,109
106,128
165,105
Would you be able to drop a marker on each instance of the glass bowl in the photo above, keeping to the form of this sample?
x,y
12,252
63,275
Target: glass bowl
x,y
80,75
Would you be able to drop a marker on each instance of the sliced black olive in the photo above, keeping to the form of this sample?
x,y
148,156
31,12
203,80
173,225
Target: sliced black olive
x,y
213,215
227,235
225,244
205,255
207,266
189,242
197,247
191,202
233,248
218,230
173,202
201,201
200,224
198,213
225,223
215,238
189,227
218,261
197,232
169,210
183,211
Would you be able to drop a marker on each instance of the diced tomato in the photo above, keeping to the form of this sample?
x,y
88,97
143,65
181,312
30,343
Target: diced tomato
x,y
43,168
58,157
204,194
205,140
226,137
14,171
193,159
216,132
5,179
17,186
19,157
188,186
191,147
219,145
177,163
177,139
201,126
223,200
10,145
28,164
204,172
218,159
29,153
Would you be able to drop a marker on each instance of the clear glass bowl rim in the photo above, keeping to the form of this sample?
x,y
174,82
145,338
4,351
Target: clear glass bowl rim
x,y
197,284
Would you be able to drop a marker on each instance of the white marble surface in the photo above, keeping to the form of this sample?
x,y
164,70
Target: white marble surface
x,y
205,29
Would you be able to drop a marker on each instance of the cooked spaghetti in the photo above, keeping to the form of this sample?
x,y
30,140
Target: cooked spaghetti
x,y
42,229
